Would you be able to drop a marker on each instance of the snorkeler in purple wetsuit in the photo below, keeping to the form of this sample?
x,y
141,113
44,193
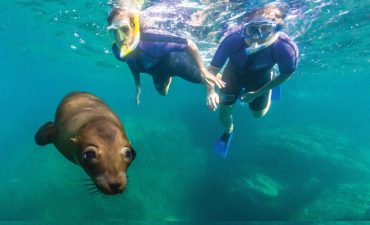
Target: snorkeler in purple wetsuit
x,y
158,54
252,51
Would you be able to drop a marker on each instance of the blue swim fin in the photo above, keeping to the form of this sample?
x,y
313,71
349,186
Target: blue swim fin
x,y
221,145
276,93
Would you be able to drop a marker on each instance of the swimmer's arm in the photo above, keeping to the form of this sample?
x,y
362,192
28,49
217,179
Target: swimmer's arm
x,y
207,77
136,76
193,50
276,81
214,70
286,54
213,98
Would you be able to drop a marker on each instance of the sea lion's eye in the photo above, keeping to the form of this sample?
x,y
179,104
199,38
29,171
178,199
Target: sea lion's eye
x,y
89,154
128,155
125,151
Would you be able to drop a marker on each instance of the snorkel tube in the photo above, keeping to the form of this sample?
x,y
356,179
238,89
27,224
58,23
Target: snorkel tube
x,y
255,47
124,51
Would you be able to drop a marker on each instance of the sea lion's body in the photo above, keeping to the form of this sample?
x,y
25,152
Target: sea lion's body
x,y
88,133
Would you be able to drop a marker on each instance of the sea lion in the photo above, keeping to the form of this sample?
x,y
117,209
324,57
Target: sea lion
x,y
88,133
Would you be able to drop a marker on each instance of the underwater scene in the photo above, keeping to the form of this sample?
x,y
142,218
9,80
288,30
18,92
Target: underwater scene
x,y
307,160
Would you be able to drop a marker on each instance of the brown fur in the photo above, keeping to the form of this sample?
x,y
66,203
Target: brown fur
x,y
84,124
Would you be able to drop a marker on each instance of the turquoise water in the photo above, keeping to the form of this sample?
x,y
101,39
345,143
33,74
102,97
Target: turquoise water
x,y
307,160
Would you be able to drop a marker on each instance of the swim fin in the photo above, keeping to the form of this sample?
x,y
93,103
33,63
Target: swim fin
x,y
221,146
276,93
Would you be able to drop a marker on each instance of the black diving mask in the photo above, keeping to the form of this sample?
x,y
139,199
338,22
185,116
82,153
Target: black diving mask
x,y
260,30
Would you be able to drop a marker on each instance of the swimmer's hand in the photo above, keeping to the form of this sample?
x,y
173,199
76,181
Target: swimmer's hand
x,y
214,79
212,100
249,96
138,93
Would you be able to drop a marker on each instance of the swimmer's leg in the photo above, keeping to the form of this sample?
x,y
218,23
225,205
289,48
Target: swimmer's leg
x,y
228,97
44,135
221,145
161,84
261,105
226,117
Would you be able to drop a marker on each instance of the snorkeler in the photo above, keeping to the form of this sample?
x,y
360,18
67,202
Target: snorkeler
x,y
252,50
158,54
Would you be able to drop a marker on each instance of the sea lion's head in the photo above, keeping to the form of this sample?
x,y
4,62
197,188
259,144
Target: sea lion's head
x,y
105,153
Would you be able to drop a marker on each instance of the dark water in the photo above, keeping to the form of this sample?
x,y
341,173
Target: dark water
x,y
307,160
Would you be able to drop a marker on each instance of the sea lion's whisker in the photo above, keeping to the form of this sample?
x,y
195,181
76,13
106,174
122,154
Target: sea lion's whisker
x,y
94,192
84,181
92,188
87,183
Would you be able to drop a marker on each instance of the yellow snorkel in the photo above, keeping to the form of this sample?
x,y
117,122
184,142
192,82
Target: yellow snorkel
x,y
122,30
136,38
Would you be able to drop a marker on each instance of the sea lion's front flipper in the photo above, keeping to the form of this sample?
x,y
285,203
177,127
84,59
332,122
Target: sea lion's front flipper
x,y
44,134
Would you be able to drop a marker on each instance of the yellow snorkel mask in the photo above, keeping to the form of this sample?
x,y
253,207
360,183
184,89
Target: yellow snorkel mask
x,y
121,31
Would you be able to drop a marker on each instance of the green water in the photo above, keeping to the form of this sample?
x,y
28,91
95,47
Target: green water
x,y
307,160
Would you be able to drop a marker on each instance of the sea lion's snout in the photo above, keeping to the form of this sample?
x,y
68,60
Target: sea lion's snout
x,y
111,186
107,168
116,187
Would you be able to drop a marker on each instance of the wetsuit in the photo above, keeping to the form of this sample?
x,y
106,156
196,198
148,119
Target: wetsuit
x,y
163,56
251,72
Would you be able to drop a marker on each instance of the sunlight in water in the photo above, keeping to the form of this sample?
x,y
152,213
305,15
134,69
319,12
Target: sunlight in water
x,y
306,160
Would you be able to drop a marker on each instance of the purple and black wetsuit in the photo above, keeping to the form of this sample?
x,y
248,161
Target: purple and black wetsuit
x,y
251,72
161,55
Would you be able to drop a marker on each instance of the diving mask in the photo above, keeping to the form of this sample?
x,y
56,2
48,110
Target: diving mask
x,y
121,31
260,30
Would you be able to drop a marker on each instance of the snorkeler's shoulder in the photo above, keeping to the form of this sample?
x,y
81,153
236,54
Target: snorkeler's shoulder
x,y
232,35
232,42
284,42
284,37
285,51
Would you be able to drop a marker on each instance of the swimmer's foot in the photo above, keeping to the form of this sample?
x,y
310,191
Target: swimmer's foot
x,y
222,144
164,91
